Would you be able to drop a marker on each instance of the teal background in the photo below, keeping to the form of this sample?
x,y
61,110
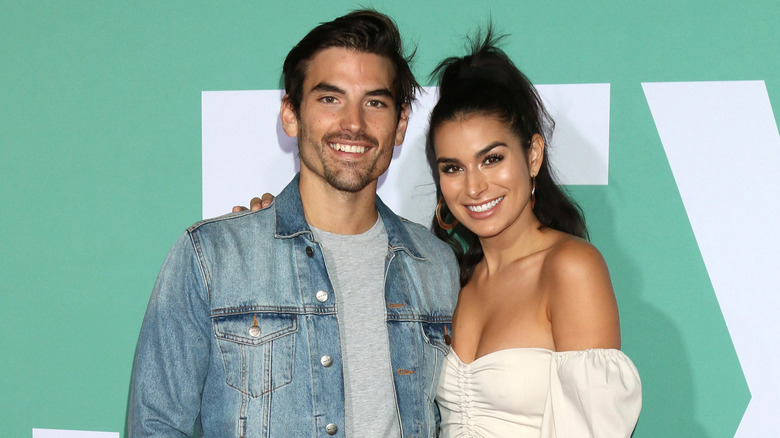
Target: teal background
x,y
100,171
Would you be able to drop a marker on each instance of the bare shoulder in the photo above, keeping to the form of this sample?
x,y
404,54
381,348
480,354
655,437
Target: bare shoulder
x,y
575,260
581,301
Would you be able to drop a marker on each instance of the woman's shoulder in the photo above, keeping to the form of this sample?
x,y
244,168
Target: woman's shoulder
x,y
570,257
581,301
573,266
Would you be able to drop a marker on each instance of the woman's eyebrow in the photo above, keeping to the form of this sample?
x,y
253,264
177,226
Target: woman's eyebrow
x,y
480,153
447,160
484,151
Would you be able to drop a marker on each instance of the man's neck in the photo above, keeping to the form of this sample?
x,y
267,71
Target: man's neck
x,y
337,211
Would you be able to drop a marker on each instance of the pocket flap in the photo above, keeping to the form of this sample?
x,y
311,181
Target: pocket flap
x,y
254,328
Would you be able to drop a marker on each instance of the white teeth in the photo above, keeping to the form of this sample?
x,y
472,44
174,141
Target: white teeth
x,y
486,206
352,149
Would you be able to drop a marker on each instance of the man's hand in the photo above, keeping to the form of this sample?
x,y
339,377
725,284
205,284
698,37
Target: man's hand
x,y
256,203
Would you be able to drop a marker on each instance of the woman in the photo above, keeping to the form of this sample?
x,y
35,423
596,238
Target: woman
x,y
535,335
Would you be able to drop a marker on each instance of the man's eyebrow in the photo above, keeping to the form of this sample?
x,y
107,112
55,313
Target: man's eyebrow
x,y
328,88
381,92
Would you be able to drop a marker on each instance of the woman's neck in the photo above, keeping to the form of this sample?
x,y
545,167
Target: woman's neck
x,y
521,239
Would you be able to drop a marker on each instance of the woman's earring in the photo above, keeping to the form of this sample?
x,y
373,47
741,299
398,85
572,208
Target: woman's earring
x,y
533,191
444,226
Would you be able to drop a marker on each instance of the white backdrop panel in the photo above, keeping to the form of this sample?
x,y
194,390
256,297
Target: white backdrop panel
x,y
722,144
246,153
57,433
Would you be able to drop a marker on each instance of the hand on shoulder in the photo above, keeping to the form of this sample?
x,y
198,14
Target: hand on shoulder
x,y
581,306
256,203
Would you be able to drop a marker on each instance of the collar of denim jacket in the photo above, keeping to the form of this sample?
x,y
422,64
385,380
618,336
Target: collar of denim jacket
x,y
291,222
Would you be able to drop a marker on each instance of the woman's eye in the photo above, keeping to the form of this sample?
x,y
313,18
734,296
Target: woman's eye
x,y
448,169
495,158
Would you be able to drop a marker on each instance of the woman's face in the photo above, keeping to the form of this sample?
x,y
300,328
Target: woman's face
x,y
485,173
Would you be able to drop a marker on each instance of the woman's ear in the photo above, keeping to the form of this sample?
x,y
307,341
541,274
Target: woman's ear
x,y
535,154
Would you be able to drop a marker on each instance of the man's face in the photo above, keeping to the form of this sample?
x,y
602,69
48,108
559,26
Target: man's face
x,y
347,124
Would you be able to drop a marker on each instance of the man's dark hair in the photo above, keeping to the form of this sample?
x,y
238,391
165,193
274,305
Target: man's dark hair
x,y
363,31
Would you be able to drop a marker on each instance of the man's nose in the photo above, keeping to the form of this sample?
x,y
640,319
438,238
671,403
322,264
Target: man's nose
x,y
352,118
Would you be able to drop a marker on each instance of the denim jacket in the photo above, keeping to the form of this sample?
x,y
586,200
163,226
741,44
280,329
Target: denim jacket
x,y
241,338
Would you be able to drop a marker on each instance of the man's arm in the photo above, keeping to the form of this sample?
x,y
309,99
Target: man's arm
x,y
172,355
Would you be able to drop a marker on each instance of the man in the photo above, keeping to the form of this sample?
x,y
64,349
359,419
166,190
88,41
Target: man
x,y
324,314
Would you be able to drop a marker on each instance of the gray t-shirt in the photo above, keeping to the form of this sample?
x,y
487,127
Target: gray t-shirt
x,y
356,267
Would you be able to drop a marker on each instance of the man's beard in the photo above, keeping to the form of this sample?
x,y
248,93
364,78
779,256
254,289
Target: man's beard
x,y
354,183
344,175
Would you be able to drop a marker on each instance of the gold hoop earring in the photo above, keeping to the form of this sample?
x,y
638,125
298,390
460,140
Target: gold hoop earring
x,y
533,191
444,226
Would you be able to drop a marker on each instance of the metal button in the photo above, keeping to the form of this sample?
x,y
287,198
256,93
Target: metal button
x,y
326,361
331,429
322,296
310,251
254,330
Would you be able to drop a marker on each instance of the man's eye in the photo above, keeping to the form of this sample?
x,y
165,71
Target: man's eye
x,y
376,103
328,99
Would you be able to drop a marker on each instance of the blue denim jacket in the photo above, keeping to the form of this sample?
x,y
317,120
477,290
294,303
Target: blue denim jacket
x,y
237,341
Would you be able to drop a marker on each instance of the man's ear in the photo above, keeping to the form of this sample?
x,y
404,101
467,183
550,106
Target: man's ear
x,y
289,117
535,154
403,123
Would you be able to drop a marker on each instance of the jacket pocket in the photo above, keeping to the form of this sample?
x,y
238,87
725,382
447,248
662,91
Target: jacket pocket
x,y
438,334
435,347
257,350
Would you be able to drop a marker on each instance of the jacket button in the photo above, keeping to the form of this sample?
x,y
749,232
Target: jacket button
x,y
321,296
331,429
326,361
310,251
254,330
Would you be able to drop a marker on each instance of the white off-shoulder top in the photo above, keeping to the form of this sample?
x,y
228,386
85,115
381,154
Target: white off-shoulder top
x,y
539,393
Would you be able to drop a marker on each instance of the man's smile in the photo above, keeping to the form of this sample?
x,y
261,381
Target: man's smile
x,y
348,148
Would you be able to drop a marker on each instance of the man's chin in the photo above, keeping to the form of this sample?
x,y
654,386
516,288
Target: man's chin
x,y
348,186
351,183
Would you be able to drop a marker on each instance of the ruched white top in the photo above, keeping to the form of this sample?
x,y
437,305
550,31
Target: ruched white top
x,y
534,392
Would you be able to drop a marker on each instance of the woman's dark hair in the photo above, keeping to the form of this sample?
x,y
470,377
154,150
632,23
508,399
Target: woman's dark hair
x,y
363,31
487,83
